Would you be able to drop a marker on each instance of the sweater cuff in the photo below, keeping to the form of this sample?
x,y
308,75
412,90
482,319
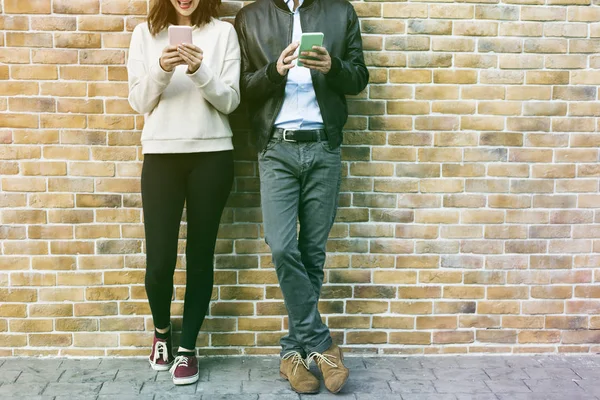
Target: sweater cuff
x,y
202,76
336,67
273,75
160,75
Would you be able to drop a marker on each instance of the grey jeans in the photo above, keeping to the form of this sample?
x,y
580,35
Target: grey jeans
x,y
300,182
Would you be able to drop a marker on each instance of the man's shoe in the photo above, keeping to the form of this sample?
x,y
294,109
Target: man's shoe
x,y
161,357
331,364
185,370
295,370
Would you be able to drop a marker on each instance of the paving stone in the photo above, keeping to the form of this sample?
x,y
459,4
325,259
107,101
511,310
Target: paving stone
x,y
392,363
506,373
82,397
266,387
545,396
223,364
125,388
21,389
481,396
554,361
230,397
82,363
588,373
357,386
133,397
167,388
522,362
261,374
439,362
261,363
460,374
36,374
167,396
373,375
225,387
216,375
584,361
75,390
553,386
289,396
428,397
29,397
405,374
471,387
9,376
590,386
412,386
145,375
125,364
481,362
508,386
551,373
20,364
325,395
87,375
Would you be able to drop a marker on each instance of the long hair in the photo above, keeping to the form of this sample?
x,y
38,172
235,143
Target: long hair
x,y
162,14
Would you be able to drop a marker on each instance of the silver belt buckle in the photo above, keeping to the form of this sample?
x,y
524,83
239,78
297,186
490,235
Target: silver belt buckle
x,y
285,139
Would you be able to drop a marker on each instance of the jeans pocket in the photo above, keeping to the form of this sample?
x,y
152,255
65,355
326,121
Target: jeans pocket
x,y
325,145
269,146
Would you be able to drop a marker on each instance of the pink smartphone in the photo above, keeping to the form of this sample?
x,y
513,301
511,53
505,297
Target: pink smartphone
x,y
180,34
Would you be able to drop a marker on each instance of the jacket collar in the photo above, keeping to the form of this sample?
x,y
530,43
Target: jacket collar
x,y
281,4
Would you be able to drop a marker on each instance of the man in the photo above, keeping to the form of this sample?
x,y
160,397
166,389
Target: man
x,y
298,114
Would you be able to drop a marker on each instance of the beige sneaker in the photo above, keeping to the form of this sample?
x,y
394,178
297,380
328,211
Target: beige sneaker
x,y
295,370
331,364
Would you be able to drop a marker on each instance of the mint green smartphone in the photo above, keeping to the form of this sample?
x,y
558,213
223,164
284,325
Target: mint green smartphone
x,y
307,41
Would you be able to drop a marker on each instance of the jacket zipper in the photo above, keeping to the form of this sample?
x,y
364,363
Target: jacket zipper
x,y
280,103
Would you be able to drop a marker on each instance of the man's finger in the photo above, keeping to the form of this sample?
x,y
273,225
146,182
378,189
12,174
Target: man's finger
x,y
289,59
320,49
290,49
312,54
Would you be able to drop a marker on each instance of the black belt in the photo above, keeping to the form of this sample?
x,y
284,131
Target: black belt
x,y
315,135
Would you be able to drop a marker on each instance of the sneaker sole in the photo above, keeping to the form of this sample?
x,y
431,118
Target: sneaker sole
x,y
160,367
186,381
297,391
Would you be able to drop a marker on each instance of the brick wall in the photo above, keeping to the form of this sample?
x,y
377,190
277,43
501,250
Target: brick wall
x,y
468,218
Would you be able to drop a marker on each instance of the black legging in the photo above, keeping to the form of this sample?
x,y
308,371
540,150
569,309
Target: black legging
x,y
202,181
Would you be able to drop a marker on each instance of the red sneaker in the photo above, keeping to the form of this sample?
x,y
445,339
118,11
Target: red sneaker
x,y
161,357
185,370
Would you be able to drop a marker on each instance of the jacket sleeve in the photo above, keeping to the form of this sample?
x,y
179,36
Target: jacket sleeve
x,y
146,82
222,89
350,75
256,84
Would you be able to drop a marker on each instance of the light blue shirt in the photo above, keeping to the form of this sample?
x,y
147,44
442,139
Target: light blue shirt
x,y
300,108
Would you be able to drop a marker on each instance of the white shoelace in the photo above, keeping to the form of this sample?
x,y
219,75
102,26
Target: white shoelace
x,y
160,348
297,360
180,360
321,358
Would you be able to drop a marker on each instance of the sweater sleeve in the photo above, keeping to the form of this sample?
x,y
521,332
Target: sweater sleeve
x,y
146,82
222,88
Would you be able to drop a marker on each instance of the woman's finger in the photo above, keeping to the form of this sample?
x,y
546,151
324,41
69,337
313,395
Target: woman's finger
x,y
192,48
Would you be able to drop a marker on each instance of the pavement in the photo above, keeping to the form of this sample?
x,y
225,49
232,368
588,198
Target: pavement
x,y
553,377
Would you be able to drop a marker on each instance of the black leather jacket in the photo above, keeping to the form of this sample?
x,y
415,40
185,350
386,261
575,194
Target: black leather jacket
x,y
265,30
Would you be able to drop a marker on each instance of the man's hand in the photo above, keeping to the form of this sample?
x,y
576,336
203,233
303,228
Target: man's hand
x,y
322,62
285,61
192,55
170,58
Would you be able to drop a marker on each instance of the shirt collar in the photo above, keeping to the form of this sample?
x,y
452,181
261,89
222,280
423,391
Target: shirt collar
x,y
290,4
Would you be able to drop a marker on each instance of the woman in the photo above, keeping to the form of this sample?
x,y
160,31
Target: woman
x,y
186,92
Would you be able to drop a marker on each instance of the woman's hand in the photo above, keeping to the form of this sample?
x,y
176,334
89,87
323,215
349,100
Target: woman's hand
x,y
191,55
170,58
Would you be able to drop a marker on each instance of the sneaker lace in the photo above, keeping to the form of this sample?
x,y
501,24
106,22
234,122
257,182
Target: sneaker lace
x,y
180,360
321,358
297,360
160,349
